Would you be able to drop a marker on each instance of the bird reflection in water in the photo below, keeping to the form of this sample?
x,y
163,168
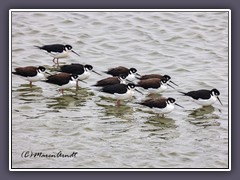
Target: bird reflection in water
x,y
70,100
159,121
28,94
162,128
24,88
202,111
204,116
124,111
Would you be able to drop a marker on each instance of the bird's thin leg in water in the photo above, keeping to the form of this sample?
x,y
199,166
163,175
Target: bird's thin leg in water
x,y
118,103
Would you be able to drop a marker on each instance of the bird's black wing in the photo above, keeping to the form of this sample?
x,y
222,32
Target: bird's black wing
x,y
59,79
149,76
28,71
149,83
108,81
73,69
203,94
116,88
158,103
52,48
117,71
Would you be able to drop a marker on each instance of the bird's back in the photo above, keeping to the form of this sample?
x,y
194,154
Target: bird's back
x,y
52,48
149,76
203,94
117,71
108,81
158,103
73,69
149,83
59,79
28,71
116,88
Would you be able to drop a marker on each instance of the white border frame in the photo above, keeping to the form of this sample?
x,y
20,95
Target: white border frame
x,y
117,10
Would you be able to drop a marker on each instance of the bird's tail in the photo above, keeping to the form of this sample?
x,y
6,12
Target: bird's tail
x,y
182,92
39,47
106,72
97,85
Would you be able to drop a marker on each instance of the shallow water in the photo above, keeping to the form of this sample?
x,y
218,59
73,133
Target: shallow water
x,y
192,47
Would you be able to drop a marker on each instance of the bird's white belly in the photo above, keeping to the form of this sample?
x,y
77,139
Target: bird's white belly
x,y
123,82
127,95
40,76
64,54
158,90
130,77
169,108
84,76
206,102
69,85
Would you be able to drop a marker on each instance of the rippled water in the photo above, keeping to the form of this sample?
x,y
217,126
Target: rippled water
x,y
192,47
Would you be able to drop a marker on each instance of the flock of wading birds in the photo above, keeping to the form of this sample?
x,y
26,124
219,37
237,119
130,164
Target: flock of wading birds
x,y
120,85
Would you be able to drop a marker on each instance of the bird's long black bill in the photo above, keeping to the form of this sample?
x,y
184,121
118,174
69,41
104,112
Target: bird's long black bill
x,y
173,83
170,86
219,101
75,53
128,81
138,74
96,72
139,91
47,73
179,105
82,81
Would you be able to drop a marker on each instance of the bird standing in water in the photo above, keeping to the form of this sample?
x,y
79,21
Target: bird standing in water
x,y
57,51
31,73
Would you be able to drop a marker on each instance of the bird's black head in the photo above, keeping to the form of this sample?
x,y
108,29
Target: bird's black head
x,y
131,86
167,77
170,100
132,70
173,101
41,69
164,80
74,76
122,76
88,67
215,92
68,47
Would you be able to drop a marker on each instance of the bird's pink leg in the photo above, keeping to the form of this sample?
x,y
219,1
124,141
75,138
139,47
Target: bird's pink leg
x,y
118,103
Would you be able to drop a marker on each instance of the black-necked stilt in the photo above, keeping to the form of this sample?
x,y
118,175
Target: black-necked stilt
x,y
121,79
57,51
150,76
63,80
204,97
83,71
161,105
154,85
120,91
31,73
131,73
